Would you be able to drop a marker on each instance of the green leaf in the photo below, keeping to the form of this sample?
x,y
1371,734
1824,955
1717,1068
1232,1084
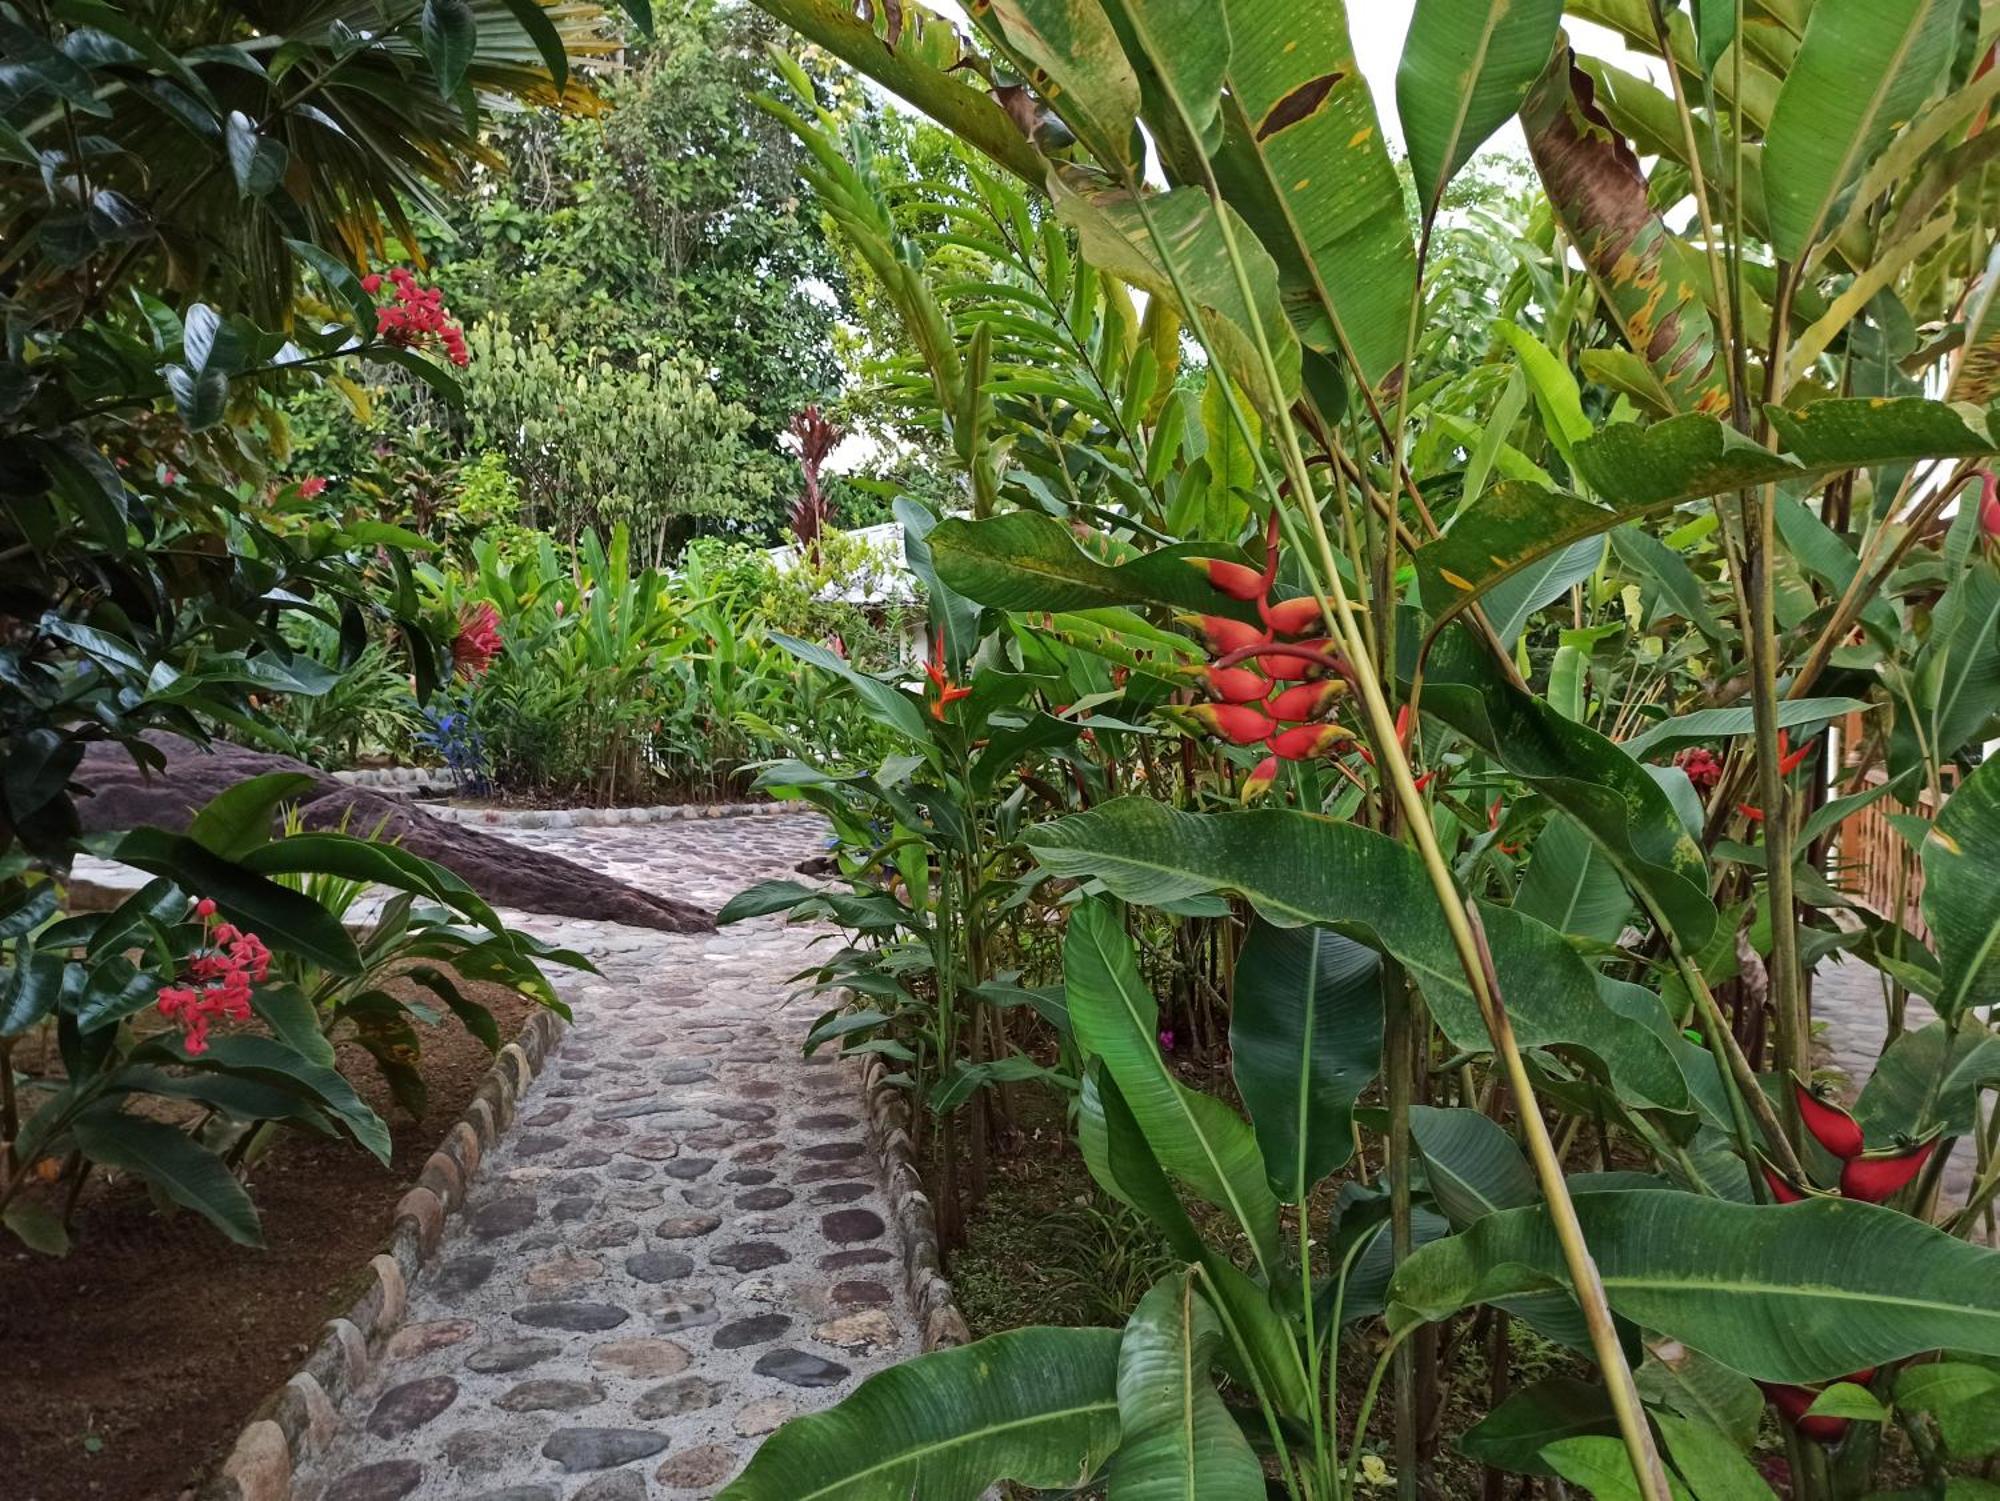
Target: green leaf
x,y
237,820
1305,1039
1960,668
1177,1441
1512,602
1115,1151
534,20
1304,160
1037,1406
1963,1399
1078,66
374,861
1599,196
1796,1293
339,277
1473,1166
37,1227
1862,69
1112,226
1513,1435
885,703
450,31
1706,725
1298,869
1197,1139
1961,900
275,1062
284,919
1602,1467
1689,1383
1674,590
1932,1076
184,1171
1572,885
1977,377
294,1019
1025,560
258,161
1582,773
1845,1399
1714,1468
1466,67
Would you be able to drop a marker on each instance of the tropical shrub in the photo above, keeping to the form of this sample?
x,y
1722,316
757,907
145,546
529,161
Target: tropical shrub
x,y
1463,606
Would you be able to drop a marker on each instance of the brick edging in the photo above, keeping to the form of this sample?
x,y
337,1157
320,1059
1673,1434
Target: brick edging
x,y
940,1324
299,1420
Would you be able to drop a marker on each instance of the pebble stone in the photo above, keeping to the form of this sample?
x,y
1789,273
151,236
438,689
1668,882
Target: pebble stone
x,y
677,1246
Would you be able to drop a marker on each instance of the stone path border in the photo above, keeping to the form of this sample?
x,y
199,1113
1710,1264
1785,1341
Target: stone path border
x,y
600,818
298,1418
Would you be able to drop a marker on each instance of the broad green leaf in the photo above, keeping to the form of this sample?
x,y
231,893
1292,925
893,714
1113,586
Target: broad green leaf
x,y
1961,900
1024,560
1689,1383
1706,725
274,1062
1960,669
374,861
1305,1039
951,613
1513,1435
1177,1441
1714,1468
1601,1467
1962,1398
1672,587
1598,194
1932,1076
1863,68
1078,67
885,703
1197,1139
37,1227
284,919
1512,602
1847,1399
1572,885
1298,869
1797,1293
1473,1166
450,31
1466,67
1117,228
1304,161
294,1020
1037,1406
1603,789
172,1162
239,819
1115,1151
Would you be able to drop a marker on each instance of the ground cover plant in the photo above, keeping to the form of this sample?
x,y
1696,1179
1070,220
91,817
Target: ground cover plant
x,y
1456,698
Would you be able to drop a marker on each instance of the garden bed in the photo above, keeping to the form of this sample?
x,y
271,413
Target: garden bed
x,y
133,1361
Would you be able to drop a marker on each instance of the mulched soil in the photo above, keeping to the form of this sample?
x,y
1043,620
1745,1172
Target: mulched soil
x,y
130,1365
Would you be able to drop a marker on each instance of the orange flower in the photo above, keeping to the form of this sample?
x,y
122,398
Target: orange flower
x,y
948,692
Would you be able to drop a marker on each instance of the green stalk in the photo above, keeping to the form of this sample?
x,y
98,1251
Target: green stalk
x,y
1399,1053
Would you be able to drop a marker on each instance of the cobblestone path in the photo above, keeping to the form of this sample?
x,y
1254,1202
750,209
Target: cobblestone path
x,y
680,1243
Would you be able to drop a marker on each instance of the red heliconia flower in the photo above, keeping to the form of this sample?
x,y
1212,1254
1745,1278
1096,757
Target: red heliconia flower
x,y
1789,759
948,692
1306,701
1302,742
372,283
1831,1126
1224,635
1293,617
1783,1189
1290,669
312,486
478,640
1874,1177
1989,507
1233,579
1792,1403
1234,685
1260,779
1239,724
1751,811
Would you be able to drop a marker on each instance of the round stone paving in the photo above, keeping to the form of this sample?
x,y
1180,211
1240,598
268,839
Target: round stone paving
x,y
681,1244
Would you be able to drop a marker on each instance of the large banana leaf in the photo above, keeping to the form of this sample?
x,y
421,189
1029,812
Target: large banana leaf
x,y
1473,1167
1024,560
1304,162
1298,868
1863,68
1599,194
1606,791
1572,885
1691,457
1197,1139
1077,65
1961,900
1179,1442
1932,1076
1039,1406
1466,66
1305,1038
1799,1292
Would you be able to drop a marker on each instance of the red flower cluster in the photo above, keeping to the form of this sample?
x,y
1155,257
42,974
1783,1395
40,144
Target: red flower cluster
x,y
416,316
312,486
1868,1176
948,692
222,972
1263,687
478,640
1702,769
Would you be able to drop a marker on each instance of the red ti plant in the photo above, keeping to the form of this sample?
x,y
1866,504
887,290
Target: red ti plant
x,y
811,512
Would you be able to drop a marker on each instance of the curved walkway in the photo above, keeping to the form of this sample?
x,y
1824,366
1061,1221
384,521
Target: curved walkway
x,y
681,1242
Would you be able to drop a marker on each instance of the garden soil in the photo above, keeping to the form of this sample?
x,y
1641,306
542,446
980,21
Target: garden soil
x,y
128,1367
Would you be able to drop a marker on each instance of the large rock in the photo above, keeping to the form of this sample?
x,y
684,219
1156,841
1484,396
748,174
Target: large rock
x,y
124,796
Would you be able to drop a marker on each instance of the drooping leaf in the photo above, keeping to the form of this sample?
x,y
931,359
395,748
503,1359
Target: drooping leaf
x,y
1715,1470
1177,1441
1473,1166
1705,725
1024,560
1115,1151
1572,885
275,1062
1599,195
1197,1139
1466,67
237,820
1037,1406
1863,68
1931,1076
1688,1382
1513,1435
172,1162
884,702
1961,900
1797,1293
1304,161
1297,869
1078,67
450,31
1305,1039
1511,602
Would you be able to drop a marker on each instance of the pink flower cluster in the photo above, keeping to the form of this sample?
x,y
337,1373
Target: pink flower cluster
x,y
478,640
416,316
222,972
